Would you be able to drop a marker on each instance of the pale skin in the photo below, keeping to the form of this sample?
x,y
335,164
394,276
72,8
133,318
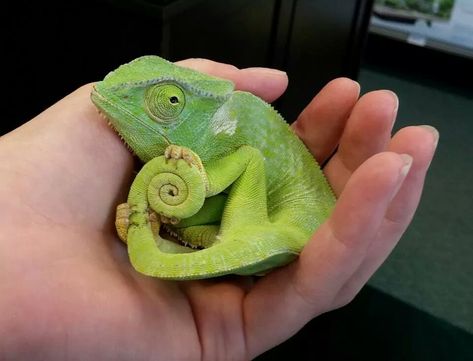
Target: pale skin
x,y
68,292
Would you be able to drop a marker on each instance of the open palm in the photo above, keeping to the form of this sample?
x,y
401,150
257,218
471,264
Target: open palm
x,y
67,290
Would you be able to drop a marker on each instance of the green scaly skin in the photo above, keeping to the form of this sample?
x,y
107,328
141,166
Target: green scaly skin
x,y
222,169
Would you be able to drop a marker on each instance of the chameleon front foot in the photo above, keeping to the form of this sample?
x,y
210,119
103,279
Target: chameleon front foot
x,y
177,152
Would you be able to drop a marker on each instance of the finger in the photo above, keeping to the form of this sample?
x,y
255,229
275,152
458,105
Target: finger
x,y
420,143
321,123
366,133
266,83
307,287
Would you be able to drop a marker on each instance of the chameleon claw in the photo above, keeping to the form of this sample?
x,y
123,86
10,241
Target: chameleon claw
x,y
177,152
172,152
154,222
188,157
122,220
169,220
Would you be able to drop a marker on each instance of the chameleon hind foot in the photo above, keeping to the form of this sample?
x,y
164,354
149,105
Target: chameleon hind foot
x,y
122,221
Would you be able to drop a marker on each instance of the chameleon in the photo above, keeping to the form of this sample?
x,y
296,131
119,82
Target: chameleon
x,y
226,186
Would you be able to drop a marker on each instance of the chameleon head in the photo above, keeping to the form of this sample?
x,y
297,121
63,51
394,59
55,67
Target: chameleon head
x,y
153,103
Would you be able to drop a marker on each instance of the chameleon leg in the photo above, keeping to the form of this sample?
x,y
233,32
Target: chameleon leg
x,y
198,236
246,202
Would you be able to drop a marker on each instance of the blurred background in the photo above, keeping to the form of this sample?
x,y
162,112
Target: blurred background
x,y
419,305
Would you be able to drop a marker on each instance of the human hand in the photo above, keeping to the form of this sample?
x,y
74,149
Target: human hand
x,y
67,290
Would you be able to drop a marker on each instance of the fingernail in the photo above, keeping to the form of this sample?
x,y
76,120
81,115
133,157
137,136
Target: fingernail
x,y
407,160
358,85
396,103
434,132
270,71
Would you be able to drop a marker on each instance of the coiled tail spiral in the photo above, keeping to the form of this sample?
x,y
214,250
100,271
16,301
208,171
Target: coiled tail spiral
x,y
172,188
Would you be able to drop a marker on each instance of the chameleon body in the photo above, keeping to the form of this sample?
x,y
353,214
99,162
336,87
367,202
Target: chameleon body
x,y
226,188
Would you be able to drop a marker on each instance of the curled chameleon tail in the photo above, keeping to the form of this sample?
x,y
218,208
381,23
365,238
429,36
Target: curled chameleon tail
x,y
175,189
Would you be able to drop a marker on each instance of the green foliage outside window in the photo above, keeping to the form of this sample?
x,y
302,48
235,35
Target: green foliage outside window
x,y
440,8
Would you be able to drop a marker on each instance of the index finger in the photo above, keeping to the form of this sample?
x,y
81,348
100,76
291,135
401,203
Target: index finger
x,y
267,83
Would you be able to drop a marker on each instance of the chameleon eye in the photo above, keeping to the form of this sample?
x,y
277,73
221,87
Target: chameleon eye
x,y
165,102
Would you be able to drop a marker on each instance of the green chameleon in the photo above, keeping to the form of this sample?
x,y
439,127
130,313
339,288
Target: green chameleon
x,y
226,188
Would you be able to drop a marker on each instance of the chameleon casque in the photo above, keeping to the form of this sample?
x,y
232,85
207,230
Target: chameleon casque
x,y
226,186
